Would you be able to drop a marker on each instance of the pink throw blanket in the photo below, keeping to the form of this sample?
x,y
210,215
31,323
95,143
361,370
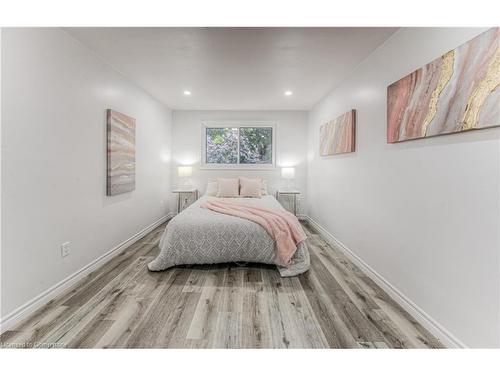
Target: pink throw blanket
x,y
281,225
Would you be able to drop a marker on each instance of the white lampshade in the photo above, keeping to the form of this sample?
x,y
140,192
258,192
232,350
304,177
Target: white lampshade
x,y
288,172
184,171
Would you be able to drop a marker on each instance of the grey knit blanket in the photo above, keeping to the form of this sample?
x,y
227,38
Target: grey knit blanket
x,y
201,236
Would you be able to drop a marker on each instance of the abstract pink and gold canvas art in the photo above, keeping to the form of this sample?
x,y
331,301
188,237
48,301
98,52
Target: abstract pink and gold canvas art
x,y
337,136
121,153
457,92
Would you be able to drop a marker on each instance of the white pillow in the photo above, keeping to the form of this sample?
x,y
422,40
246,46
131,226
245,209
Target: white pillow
x,y
228,187
263,188
212,188
250,187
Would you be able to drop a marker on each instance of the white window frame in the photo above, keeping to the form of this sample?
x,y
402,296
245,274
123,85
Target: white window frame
x,y
237,124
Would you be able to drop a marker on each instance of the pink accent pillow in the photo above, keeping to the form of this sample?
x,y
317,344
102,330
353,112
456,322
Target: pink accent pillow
x,y
228,187
250,187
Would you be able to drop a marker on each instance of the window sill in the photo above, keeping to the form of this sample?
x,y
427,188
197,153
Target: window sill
x,y
239,167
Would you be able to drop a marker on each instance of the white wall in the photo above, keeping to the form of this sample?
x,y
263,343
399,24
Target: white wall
x,y
291,146
424,214
55,94
1,173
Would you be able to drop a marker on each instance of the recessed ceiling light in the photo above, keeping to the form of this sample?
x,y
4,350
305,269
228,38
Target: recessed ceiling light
x,y
288,93
187,92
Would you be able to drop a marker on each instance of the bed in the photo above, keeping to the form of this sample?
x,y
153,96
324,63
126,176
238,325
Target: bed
x,y
201,236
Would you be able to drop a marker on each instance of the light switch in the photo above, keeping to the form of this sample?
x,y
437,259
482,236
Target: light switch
x,y
65,249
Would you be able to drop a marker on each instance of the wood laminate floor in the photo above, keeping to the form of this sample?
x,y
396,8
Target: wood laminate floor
x,y
123,305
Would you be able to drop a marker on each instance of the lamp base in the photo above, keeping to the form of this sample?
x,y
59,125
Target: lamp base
x,y
185,183
288,185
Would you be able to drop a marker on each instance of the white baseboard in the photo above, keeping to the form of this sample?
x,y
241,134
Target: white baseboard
x,y
446,338
23,311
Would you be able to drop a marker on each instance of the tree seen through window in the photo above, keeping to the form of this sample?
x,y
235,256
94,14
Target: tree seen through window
x,y
243,145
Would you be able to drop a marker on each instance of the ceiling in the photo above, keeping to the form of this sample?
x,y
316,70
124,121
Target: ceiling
x,y
234,68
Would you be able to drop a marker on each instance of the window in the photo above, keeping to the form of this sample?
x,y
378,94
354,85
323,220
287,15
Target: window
x,y
241,146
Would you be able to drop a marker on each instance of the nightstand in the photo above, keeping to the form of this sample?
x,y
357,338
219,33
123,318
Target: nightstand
x,y
185,197
289,198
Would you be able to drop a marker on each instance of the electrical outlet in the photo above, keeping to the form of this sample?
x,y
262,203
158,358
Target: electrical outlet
x,y
65,249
